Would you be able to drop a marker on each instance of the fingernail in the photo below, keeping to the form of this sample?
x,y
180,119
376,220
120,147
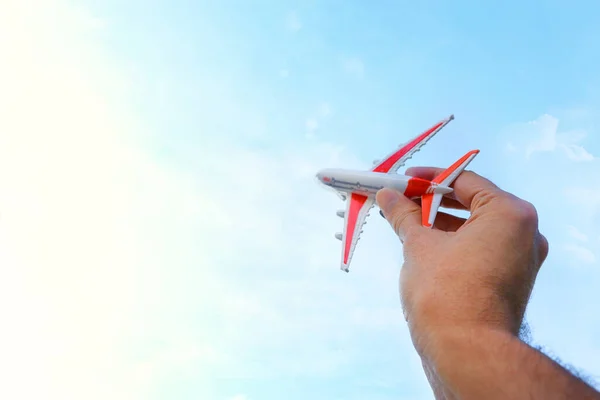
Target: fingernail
x,y
387,199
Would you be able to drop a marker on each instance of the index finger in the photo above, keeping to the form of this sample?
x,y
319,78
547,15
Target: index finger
x,y
468,187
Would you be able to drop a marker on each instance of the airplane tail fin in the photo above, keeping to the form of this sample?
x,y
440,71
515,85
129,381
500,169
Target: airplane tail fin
x,y
430,202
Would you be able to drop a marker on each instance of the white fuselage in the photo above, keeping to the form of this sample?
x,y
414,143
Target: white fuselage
x,y
369,183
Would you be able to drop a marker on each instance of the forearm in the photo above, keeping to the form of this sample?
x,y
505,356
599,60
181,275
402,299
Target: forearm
x,y
491,364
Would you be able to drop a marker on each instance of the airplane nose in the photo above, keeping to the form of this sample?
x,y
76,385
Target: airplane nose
x,y
320,176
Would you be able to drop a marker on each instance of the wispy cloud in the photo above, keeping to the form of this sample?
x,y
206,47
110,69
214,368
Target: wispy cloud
x,y
576,152
581,253
542,135
576,234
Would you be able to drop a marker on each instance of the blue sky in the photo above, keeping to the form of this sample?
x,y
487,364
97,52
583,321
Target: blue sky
x,y
161,232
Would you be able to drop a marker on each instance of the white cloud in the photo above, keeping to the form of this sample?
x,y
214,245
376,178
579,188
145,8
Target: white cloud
x,y
542,135
354,67
576,234
293,22
581,253
577,153
544,128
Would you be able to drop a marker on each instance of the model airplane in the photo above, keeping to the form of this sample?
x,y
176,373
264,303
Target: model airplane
x,y
360,188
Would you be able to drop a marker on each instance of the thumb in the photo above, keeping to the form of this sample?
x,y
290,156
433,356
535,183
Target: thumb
x,y
403,214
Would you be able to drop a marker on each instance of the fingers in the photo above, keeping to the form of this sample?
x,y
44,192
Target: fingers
x,y
444,221
447,202
403,214
424,172
469,188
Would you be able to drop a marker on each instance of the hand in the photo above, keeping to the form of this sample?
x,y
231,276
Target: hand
x,y
464,288
466,273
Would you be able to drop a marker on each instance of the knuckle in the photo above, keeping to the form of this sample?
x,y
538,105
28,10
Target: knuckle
x,y
519,211
468,173
484,196
526,212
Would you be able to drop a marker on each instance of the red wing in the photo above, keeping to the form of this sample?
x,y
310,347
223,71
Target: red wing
x,y
357,210
430,202
397,159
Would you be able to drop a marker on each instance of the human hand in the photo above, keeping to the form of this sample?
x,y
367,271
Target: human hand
x,y
465,273
464,288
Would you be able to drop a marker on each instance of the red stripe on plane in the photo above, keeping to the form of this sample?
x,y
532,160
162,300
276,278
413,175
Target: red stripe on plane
x,y
357,201
391,160
416,187
441,177
426,202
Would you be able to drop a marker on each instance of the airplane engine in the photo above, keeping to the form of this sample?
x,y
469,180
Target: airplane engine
x,y
338,235
341,213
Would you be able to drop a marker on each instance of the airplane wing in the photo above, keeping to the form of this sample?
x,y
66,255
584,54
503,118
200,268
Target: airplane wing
x,y
430,202
357,210
394,161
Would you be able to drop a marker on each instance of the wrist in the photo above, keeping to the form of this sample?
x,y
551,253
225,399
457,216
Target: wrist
x,y
443,343
432,320
483,362
439,343
460,358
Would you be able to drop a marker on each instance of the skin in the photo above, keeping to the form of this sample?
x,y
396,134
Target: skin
x,y
464,288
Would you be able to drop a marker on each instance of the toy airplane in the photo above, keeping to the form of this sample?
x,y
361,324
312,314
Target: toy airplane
x,y
362,186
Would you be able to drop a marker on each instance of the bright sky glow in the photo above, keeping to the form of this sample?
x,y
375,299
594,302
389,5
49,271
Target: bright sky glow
x,y
162,235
